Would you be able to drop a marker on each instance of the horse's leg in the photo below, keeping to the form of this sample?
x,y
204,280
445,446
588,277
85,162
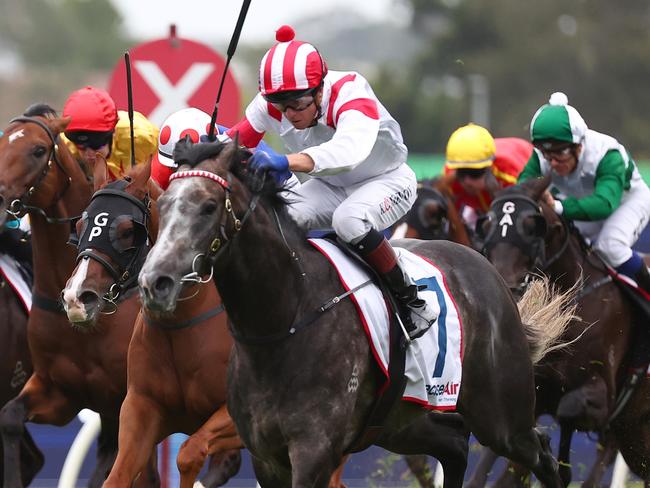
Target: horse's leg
x,y
419,466
269,476
486,460
605,456
336,481
38,402
312,465
31,457
139,431
443,436
221,467
216,435
106,451
564,452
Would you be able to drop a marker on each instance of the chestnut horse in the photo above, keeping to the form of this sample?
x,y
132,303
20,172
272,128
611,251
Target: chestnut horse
x,y
580,386
15,368
176,362
72,369
290,391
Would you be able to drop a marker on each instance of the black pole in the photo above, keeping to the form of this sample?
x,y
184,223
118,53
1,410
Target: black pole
x,y
129,92
234,40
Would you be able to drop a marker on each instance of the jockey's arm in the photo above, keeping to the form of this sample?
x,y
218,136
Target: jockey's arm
x,y
608,191
301,162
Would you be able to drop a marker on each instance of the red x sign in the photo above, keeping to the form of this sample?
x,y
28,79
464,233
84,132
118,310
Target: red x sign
x,y
171,74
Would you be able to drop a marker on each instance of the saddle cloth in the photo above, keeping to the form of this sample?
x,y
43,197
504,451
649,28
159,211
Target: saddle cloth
x,y
434,361
13,276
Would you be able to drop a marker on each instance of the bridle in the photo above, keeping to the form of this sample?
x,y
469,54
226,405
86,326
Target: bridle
x,y
216,248
509,212
19,205
125,276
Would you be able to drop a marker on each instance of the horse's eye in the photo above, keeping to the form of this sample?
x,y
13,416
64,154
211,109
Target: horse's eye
x,y
39,151
209,207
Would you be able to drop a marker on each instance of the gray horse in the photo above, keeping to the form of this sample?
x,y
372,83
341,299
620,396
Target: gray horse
x,y
289,393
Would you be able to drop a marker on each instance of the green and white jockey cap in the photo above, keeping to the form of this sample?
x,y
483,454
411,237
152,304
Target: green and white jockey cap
x,y
557,122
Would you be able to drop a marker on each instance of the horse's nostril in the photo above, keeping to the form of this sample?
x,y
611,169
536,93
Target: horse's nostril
x,y
163,285
2,201
89,298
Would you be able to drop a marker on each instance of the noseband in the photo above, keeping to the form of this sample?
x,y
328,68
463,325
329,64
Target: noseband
x,y
18,205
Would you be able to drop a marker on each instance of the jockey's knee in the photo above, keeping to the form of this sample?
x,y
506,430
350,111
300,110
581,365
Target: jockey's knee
x,y
349,228
613,250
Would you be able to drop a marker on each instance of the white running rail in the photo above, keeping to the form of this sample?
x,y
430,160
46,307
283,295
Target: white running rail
x,y
79,449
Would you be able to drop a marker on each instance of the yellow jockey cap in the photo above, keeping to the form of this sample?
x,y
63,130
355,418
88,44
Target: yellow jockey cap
x,y
471,147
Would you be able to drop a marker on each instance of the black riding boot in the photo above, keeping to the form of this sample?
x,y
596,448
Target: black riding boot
x,y
642,278
416,316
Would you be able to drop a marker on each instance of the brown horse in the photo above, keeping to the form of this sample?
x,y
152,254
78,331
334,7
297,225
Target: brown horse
x,y
72,369
434,215
579,387
300,394
15,368
176,362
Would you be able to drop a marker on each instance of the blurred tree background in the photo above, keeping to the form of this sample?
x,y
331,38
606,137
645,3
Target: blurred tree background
x,y
596,51
487,61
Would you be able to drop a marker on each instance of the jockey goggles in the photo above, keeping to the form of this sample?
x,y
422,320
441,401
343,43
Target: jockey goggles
x,y
471,173
90,139
296,100
559,152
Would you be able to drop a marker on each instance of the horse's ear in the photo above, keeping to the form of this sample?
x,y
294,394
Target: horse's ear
x,y
100,172
58,125
141,178
539,186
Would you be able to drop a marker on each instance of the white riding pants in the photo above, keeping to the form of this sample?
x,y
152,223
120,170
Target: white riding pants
x,y
614,237
352,211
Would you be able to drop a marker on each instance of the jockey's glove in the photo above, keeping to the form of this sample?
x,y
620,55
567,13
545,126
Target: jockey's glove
x,y
268,160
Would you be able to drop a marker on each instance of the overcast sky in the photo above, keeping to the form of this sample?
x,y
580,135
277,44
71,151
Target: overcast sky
x,y
212,20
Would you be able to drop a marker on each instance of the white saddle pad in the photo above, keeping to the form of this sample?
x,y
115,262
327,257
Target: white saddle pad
x,y
13,276
434,361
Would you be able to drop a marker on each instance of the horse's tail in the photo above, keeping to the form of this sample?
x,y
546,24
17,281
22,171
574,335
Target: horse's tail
x,y
546,314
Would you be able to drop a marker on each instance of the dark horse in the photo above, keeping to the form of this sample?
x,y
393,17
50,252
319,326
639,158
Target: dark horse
x,y
578,386
15,368
72,369
300,400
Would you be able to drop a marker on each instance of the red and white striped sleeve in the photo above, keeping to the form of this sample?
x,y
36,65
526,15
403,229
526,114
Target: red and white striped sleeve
x,y
353,111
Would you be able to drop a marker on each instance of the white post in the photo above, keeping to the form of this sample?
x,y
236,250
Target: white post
x,y
479,88
619,476
438,476
79,449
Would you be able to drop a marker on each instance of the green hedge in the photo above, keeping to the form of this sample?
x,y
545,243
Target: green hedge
x,y
430,165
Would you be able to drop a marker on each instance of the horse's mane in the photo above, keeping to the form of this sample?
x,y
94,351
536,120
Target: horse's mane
x,y
40,109
186,152
263,184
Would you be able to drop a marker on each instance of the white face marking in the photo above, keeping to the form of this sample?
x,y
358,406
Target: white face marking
x,y
175,226
75,309
15,135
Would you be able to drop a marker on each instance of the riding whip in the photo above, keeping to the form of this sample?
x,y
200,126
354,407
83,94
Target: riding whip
x,y
231,52
129,91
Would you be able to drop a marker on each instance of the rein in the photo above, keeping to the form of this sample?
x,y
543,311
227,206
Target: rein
x,y
18,205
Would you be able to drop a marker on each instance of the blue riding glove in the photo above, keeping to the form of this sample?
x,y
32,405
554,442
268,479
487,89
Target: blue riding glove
x,y
277,164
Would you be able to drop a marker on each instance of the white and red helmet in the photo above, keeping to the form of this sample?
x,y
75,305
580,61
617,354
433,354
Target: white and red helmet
x,y
290,66
185,122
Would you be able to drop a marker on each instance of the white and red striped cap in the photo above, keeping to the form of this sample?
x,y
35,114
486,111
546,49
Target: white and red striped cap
x,y
290,65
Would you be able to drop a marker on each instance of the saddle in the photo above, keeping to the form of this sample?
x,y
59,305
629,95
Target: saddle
x,y
398,345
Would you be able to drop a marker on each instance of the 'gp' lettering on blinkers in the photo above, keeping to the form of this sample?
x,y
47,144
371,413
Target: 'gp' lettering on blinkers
x,y
99,221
